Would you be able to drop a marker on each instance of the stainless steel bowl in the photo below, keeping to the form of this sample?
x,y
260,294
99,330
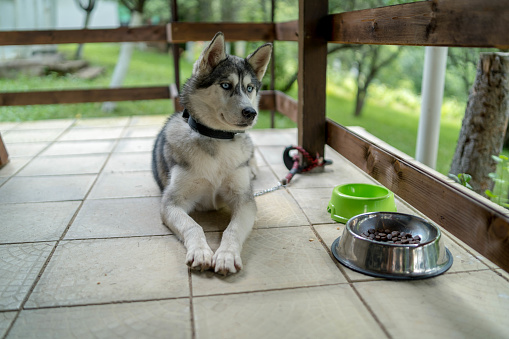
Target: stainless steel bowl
x,y
394,261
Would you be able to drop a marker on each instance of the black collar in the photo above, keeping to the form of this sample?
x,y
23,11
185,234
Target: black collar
x,y
207,131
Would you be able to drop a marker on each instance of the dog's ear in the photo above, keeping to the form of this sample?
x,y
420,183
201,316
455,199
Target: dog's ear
x,y
259,60
212,55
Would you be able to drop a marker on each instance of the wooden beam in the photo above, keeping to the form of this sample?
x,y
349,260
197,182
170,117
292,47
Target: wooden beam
x,y
287,105
85,95
280,102
471,218
179,32
456,23
4,156
267,100
312,75
287,31
122,34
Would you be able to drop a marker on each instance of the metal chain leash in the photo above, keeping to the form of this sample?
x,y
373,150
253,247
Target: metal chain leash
x,y
292,163
272,189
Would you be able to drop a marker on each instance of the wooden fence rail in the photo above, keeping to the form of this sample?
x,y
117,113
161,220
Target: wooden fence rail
x,y
454,23
87,95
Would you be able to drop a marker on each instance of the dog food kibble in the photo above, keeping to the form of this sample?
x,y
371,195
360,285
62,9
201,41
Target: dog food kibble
x,y
391,237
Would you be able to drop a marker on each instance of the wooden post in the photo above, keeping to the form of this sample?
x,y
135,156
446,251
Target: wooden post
x,y
273,63
4,156
312,75
176,57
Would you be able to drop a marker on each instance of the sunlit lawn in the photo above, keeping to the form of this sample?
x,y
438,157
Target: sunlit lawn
x,y
386,114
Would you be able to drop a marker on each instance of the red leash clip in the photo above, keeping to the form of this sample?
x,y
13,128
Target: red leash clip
x,y
292,162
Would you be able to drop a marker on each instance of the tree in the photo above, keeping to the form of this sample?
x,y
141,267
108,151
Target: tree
x,y
286,87
369,62
485,121
88,7
462,61
126,50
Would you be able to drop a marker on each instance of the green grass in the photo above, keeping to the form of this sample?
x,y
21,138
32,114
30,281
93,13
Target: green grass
x,y
147,68
391,118
391,115
395,125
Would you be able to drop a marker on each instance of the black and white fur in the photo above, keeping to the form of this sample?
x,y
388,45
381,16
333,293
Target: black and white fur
x,y
197,172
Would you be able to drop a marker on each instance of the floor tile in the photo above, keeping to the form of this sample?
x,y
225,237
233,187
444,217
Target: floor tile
x,y
65,165
331,177
265,179
153,319
13,166
79,147
45,124
156,120
462,260
28,149
119,162
2,180
273,258
462,305
470,249
284,137
100,133
313,203
272,154
340,172
49,188
102,122
14,136
260,161
35,221
503,273
331,232
19,266
135,145
213,221
5,126
118,218
277,209
125,185
6,318
142,131
110,270
319,312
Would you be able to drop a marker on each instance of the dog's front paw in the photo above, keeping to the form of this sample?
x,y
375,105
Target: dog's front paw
x,y
226,261
199,258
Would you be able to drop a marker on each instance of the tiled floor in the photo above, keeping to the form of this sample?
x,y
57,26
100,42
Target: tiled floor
x,y
83,252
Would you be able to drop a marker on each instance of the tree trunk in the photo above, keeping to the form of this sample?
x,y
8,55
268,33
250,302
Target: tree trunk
x,y
359,100
79,50
88,13
484,125
124,58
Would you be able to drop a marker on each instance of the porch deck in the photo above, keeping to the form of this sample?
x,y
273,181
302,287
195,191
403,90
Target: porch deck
x,y
83,252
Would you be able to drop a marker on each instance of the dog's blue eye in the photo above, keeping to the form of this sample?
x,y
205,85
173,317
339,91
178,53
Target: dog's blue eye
x,y
226,85
250,88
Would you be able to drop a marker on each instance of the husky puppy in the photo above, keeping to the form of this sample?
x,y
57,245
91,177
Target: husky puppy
x,y
203,160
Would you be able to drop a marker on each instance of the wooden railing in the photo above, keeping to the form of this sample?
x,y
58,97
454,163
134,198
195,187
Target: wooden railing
x,y
463,23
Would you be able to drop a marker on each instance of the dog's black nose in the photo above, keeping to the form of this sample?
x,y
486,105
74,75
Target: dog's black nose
x,y
249,113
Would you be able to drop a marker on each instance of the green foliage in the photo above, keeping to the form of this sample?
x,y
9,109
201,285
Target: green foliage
x,y
462,179
500,193
393,102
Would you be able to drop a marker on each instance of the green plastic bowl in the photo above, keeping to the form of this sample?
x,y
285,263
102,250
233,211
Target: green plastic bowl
x,y
353,199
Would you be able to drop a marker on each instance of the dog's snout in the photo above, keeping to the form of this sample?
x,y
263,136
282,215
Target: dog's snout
x,y
249,113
